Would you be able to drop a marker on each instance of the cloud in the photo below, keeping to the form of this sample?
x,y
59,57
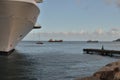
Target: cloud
x,y
109,1
99,32
78,1
116,2
72,33
114,31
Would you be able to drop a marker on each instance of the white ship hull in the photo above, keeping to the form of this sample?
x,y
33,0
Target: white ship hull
x,y
17,18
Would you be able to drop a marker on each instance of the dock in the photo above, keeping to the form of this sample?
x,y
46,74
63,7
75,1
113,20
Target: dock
x,y
101,52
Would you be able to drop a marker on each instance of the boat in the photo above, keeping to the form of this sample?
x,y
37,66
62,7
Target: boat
x,y
39,42
90,41
17,19
51,40
117,40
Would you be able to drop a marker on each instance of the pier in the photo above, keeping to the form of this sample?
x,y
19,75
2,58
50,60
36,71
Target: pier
x,y
101,52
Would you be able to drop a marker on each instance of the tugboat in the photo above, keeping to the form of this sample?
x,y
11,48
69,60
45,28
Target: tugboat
x,y
90,41
51,40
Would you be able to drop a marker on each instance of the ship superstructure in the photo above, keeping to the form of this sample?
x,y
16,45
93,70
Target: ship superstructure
x,y
17,18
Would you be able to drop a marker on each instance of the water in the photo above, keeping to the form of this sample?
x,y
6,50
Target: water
x,y
53,61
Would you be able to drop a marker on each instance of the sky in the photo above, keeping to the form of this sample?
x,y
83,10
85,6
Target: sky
x,y
78,20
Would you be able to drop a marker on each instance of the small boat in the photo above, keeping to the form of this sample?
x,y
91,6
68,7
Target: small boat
x,y
51,40
39,42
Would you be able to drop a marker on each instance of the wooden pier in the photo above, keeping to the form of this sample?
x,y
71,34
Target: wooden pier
x,y
101,52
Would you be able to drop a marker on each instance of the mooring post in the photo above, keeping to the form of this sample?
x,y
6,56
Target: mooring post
x,y
102,52
102,47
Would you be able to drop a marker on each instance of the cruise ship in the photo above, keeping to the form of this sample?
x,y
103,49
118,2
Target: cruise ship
x,y
17,19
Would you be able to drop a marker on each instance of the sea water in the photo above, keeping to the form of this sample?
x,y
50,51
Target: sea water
x,y
54,60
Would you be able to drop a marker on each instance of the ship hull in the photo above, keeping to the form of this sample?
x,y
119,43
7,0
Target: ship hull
x,y
17,19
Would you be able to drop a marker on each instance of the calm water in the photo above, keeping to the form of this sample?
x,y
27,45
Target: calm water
x,y
53,61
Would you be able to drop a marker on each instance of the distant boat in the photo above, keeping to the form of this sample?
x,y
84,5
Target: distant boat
x,y
118,40
39,42
90,41
51,40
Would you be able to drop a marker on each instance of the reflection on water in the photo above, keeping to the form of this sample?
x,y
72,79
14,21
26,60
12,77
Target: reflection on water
x,y
16,67
50,61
